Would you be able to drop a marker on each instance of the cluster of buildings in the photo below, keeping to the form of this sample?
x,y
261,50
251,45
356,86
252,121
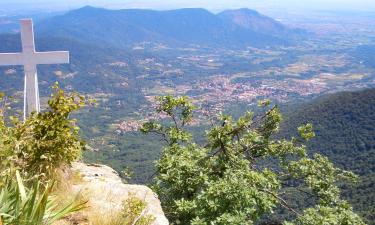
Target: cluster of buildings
x,y
128,126
308,75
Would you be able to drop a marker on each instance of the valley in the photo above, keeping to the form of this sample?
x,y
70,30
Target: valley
x,y
279,111
125,73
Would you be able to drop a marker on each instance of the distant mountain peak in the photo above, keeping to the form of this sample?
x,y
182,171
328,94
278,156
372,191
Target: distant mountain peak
x,y
87,9
244,10
253,20
191,10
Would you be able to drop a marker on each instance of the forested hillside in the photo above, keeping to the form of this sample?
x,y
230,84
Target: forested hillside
x,y
344,124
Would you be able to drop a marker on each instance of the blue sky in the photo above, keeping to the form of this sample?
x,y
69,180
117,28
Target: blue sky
x,y
368,5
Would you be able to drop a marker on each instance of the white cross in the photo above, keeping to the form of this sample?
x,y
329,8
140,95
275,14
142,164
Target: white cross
x,y
29,59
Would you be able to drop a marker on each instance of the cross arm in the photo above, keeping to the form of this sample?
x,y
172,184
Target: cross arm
x,y
11,59
57,57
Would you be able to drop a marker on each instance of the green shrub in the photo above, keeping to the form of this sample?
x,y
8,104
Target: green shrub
x,y
46,140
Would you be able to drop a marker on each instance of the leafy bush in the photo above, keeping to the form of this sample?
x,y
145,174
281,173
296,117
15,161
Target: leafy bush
x,y
239,175
46,140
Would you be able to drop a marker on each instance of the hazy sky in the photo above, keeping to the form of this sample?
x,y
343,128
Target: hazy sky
x,y
367,5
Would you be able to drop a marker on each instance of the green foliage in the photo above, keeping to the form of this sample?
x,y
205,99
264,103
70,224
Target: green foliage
x,y
46,140
321,215
180,111
239,175
35,206
306,132
134,212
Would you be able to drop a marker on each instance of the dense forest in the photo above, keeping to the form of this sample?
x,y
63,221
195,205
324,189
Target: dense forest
x,y
344,124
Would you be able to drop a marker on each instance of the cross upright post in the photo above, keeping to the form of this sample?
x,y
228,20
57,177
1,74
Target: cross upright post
x,y
29,59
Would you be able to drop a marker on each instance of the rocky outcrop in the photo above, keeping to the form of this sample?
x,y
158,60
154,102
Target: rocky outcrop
x,y
107,192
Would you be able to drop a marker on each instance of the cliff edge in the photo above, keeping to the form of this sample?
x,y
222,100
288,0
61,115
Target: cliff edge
x,y
105,192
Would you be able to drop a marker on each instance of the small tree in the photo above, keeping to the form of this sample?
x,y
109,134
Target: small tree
x,y
239,176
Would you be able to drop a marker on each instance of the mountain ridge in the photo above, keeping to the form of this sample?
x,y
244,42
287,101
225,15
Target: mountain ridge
x,y
251,19
126,27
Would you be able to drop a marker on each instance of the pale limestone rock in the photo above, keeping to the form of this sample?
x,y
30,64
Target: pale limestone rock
x,y
107,192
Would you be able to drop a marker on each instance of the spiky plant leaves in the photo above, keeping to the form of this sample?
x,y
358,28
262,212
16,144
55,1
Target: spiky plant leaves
x,y
35,206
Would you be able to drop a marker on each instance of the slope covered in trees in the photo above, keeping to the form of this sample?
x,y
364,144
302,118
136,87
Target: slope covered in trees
x,y
344,124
